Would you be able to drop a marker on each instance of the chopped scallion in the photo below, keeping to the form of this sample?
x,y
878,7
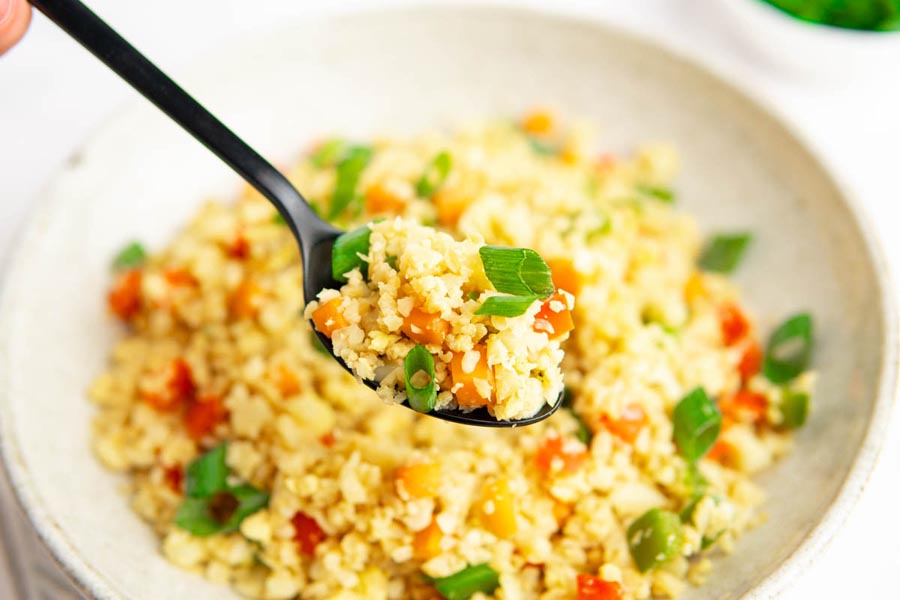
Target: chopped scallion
x,y
464,584
207,474
655,538
789,349
347,253
328,153
349,170
663,194
505,306
129,257
543,148
794,409
434,175
517,271
420,397
696,423
724,252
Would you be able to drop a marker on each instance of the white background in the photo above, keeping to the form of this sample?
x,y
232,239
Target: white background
x,y
53,94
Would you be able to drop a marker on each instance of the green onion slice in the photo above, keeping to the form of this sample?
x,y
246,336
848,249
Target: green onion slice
x,y
543,148
517,271
347,253
464,584
658,192
328,154
206,475
655,538
434,175
505,306
420,398
789,349
794,409
211,506
696,421
349,170
724,252
131,256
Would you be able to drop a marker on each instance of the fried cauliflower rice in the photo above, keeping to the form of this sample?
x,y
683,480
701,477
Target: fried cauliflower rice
x,y
424,287
362,500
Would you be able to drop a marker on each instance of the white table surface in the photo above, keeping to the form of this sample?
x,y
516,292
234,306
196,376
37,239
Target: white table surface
x,y
53,94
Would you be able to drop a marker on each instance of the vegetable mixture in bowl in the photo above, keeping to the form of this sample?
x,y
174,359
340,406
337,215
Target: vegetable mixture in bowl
x,y
263,465
421,315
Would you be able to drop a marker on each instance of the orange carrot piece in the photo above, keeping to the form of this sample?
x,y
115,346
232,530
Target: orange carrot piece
x,y
239,248
179,277
498,508
628,425
564,275
591,587
554,323
539,122
734,324
125,297
203,415
422,480
451,203
745,404
328,317
245,300
425,328
379,199
467,393
427,543
327,439
288,384
557,456
751,360
307,533
720,452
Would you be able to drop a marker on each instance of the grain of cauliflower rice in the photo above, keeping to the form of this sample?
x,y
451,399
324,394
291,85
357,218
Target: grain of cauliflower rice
x,y
422,287
263,465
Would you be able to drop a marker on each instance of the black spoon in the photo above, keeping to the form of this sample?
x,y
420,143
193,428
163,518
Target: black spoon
x,y
314,235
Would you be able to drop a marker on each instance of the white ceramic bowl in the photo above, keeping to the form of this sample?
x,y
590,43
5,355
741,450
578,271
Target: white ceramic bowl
x,y
808,48
141,177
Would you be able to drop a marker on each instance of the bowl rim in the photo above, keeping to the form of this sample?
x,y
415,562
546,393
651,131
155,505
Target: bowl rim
x,y
94,584
767,10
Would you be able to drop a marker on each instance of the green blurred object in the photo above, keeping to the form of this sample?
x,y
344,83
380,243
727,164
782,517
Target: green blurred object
x,y
867,15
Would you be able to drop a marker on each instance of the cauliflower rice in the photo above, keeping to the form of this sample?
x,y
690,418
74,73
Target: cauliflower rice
x,y
369,501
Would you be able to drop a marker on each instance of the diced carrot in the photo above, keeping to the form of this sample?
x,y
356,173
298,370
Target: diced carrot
x,y
751,360
203,415
179,388
327,439
628,425
179,277
425,328
554,317
694,288
125,297
720,452
427,543
591,587
557,455
570,154
734,324
239,248
422,480
174,478
564,275
605,162
245,300
307,533
498,508
451,202
288,384
328,317
539,122
745,404
464,376
379,199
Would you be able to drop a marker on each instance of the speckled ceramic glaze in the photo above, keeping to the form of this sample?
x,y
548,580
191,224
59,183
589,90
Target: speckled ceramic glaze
x,y
141,177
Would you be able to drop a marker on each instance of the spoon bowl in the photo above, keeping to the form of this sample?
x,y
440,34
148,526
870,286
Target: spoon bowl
x,y
314,235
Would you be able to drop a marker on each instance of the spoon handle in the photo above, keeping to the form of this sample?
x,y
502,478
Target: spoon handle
x,y
102,41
